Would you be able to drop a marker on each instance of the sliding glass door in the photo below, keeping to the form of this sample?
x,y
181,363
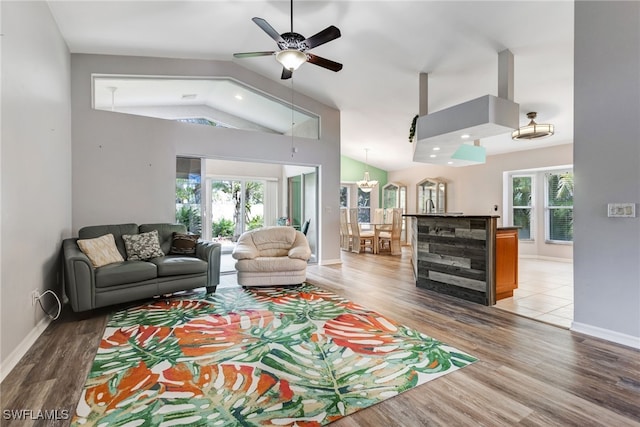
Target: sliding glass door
x,y
236,206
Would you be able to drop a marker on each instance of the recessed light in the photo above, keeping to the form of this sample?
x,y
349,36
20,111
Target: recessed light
x,y
189,96
238,97
432,155
449,163
436,148
465,136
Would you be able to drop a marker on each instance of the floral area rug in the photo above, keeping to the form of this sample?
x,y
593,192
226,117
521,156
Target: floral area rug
x,y
283,356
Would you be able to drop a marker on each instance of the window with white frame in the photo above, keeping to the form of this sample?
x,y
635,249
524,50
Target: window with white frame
x,y
522,204
344,196
364,206
559,206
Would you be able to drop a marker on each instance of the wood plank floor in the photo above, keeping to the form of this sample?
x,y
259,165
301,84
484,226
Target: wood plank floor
x,y
529,373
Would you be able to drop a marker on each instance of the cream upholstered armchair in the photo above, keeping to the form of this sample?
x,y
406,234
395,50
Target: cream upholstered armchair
x,y
272,256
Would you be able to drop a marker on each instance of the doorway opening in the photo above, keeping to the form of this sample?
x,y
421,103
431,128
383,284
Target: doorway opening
x,y
221,199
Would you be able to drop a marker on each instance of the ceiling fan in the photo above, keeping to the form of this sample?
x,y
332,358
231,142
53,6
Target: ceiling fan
x,y
294,47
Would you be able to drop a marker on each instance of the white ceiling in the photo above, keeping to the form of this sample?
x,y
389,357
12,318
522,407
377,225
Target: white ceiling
x,y
384,46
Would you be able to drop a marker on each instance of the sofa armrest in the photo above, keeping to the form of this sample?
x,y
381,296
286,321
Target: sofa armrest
x,y
79,276
300,248
211,253
245,249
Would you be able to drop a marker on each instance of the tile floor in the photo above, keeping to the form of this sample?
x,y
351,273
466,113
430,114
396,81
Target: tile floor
x,y
545,292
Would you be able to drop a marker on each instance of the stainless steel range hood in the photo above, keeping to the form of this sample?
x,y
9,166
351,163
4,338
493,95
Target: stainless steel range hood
x,y
447,136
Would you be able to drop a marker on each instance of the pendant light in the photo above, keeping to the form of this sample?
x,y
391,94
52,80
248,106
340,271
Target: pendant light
x,y
366,184
532,130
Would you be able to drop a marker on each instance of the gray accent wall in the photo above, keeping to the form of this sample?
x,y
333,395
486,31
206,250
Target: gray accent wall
x,y
124,165
607,168
36,170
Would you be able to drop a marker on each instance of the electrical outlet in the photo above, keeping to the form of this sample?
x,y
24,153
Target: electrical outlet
x,y
35,295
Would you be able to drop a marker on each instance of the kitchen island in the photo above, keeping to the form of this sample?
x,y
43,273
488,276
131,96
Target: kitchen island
x,y
455,254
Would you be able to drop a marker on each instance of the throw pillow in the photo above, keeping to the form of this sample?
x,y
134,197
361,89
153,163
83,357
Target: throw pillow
x,y
101,250
142,246
184,244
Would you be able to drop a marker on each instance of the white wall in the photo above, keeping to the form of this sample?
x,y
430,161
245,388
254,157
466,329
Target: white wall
x,y
474,190
227,168
36,169
124,165
607,169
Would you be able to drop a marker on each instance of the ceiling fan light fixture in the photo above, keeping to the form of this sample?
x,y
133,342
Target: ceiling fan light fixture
x,y
291,59
533,130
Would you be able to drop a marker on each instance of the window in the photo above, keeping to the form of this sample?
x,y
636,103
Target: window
x,y
188,188
364,206
344,196
559,206
214,101
200,121
521,202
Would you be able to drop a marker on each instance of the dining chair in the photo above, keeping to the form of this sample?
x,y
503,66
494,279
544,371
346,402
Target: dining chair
x,y
305,227
378,216
392,237
360,239
345,232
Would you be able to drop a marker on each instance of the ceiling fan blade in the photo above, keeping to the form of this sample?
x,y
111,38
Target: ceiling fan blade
x,y
324,36
252,54
286,74
324,63
268,29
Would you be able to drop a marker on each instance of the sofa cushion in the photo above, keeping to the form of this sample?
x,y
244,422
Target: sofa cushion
x,y
176,265
271,264
165,233
142,246
117,230
101,250
184,244
125,272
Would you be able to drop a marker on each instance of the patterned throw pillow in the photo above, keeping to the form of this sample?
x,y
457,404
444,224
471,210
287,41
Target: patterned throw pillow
x,y
184,244
101,250
142,246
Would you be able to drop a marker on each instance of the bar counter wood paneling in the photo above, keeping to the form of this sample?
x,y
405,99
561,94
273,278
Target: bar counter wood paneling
x,y
455,255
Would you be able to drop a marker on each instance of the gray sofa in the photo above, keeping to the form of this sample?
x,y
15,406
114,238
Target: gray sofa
x,y
88,287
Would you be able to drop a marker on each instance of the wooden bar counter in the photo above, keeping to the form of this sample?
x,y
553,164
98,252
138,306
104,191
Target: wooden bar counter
x,y
456,255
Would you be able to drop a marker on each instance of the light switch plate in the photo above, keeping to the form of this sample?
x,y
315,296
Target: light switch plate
x,y
621,210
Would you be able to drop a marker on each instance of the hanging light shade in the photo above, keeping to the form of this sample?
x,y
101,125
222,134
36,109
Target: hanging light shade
x,y
532,130
367,184
291,59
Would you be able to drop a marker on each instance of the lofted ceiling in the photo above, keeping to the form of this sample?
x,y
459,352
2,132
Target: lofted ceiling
x,y
384,47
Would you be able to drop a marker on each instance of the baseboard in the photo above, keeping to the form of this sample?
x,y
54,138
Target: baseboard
x,y
606,334
546,258
330,261
556,259
12,360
